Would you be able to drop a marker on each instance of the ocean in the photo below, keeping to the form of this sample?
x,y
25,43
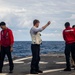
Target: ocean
x,y
23,48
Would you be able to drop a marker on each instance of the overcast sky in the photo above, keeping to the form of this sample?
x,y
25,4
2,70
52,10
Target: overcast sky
x,y
19,16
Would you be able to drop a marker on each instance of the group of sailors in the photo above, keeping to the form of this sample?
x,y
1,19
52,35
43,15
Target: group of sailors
x,y
7,41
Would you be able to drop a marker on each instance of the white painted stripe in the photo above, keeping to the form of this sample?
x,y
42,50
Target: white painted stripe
x,y
54,70
49,71
60,63
5,63
20,62
4,74
41,62
23,59
46,71
17,60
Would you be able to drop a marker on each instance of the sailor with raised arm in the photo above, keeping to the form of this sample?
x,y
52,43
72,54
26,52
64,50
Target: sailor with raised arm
x,y
35,46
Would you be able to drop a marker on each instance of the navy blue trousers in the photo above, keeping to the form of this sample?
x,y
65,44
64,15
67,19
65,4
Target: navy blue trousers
x,y
35,57
6,51
69,49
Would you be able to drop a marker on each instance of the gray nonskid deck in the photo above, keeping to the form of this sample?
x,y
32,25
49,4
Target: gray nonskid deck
x,y
50,64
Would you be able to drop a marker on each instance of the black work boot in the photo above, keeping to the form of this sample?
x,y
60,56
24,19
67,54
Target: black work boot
x,y
39,71
67,69
11,71
33,72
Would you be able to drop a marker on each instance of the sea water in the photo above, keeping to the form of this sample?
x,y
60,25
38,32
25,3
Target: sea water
x,y
23,48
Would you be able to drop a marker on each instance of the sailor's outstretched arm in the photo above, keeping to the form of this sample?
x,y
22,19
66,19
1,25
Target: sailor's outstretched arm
x,y
42,28
46,25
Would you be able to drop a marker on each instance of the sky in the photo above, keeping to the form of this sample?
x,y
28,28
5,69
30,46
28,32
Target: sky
x,y
19,16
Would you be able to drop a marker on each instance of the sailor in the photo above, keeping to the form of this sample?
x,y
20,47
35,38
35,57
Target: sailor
x,y
69,37
35,46
6,46
72,61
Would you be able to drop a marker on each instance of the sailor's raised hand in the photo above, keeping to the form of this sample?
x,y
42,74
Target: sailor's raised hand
x,y
48,23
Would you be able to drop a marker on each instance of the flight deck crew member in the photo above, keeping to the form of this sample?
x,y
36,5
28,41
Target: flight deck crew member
x,y
35,46
7,41
69,37
0,44
72,61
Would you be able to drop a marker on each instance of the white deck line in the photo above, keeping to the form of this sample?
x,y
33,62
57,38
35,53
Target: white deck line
x,y
41,62
54,70
46,71
49,71
60,63
22,59
4,74
18,60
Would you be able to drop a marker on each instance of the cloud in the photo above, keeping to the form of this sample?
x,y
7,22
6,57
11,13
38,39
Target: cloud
x,y
52,36
19,16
